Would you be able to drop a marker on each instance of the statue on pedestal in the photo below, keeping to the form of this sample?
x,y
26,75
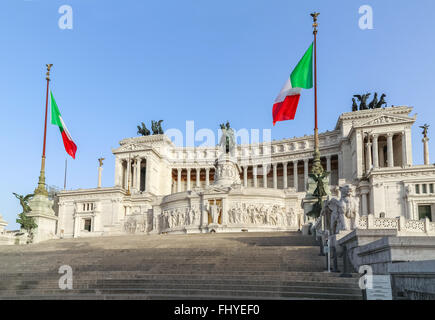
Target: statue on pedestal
x,y
341,214
228,140
27,223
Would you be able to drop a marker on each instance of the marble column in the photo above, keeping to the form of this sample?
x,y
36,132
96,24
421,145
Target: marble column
x,y
364,207
198,177
390,154
245,176
295,174
275,177
188,179
426,150
138,169
118,172
178,180
100,169
284,175
125,170
264,175
254,174
133,176
340,166
404,159
306,174
368,156
207,177
128,184
375,151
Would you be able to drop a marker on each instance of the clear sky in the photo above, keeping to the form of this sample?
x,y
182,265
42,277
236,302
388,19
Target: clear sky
x,y
208,61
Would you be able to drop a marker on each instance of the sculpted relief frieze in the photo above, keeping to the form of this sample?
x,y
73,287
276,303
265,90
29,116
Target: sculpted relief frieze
x,y
261,214
181,217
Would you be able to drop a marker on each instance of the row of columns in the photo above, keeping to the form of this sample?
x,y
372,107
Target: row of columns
x,y
133,179
285,182
189,172
285,173
373,146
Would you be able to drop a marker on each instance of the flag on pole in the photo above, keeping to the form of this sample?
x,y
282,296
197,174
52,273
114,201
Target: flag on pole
x,y
56,119
287,101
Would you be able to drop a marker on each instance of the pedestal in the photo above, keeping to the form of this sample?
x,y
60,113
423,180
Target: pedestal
x,y
309,201
227,171
45,218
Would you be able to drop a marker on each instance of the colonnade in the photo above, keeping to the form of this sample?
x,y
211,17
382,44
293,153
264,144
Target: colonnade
x,y
252,175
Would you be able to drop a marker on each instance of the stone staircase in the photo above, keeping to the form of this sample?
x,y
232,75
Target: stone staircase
x,y
202,266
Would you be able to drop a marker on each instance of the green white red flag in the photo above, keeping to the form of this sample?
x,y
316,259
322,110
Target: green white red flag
x,y
56,119
285,105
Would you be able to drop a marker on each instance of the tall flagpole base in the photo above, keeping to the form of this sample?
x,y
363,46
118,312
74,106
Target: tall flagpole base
x,y
41,188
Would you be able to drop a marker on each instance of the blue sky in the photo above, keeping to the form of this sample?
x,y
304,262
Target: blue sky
x,y
208,61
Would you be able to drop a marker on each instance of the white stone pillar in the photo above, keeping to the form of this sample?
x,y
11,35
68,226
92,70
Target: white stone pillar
x,y
375,152
408,144
128,174
284,175
118,172
188,179
426,150
404,153
390,154
100,169
198,177
364,206
295,174
306,174
207,177
368,156
148,174
254,174
275,177
264,175
125,170
328,163
245,176
340,166
178,180
76,225
134,175
138,169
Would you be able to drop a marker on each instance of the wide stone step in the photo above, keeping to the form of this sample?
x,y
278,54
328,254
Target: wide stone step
x,y
149,293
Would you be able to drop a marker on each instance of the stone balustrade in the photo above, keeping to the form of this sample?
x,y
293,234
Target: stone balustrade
x,y
401,224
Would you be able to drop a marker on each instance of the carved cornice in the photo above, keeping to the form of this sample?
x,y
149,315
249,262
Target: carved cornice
x,y
152,139
366,114
416,172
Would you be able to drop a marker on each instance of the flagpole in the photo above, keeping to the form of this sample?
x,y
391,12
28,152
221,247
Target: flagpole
x,y
317,167
64,180
41,189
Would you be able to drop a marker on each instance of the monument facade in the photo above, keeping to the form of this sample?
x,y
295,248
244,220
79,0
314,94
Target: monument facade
x,y
162,188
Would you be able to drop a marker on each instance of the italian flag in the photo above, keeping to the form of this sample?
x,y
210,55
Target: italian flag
x,y
287,101
56,119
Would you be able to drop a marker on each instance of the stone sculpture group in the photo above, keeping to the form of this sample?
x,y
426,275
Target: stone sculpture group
x,y
362,98
156,127
341,214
